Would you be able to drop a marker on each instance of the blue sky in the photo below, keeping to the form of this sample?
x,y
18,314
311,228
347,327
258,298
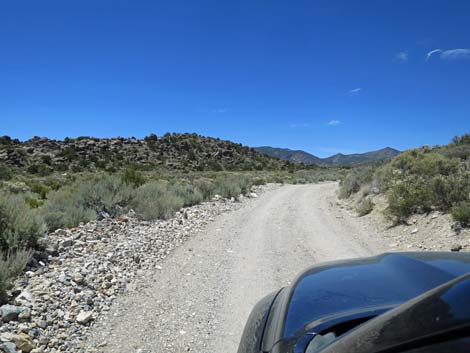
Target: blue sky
x,y
323,76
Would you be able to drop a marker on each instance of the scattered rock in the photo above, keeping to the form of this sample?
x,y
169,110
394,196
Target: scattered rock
x,y
85,268
456,247
102,215
25,315
457,227
414,231
11,312
411,221
84,317
23,342
8,347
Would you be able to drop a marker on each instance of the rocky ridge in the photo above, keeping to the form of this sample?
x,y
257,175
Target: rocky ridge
x,y
80,272
42,155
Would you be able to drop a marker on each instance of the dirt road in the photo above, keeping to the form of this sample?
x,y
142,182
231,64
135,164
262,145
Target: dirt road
x,y
200,299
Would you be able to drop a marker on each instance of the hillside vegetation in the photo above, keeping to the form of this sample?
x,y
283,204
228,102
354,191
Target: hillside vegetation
x,y
190,152
417,181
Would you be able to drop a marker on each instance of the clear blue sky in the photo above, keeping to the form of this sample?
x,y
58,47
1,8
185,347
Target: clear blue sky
x,y
323,76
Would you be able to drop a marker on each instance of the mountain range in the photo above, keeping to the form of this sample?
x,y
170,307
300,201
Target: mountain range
x,y
346,160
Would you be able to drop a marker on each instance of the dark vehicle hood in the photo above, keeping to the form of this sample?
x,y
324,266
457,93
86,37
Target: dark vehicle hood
x,y
376,284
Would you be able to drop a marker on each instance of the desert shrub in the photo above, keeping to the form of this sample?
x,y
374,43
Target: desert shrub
x,y
81,201
232,185
64,209
461,213
461,140
40,169
449,190
131,176
364,206
154,201
33,202
409,196
205,186
420,180
20,226
352,182
39,189
105,193
16,187
187,192
259,181
5,172
11,265
460,151
425,164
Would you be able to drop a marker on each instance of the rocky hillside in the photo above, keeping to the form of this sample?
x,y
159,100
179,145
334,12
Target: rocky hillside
x,y
41,155
337,160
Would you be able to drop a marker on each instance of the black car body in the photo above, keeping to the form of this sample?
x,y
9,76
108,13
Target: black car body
x,y
398,302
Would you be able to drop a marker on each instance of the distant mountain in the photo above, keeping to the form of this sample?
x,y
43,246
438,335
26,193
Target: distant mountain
x,y
339,159
296,156
360,158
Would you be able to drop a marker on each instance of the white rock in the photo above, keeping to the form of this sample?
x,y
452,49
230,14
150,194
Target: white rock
x,y
84,316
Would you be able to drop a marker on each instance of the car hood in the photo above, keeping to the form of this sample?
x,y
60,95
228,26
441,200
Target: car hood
x,y
377,284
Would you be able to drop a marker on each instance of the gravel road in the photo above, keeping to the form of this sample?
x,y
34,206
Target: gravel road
x,y
201,297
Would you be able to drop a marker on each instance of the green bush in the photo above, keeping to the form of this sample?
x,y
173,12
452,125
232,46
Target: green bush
x,y
20,226
39,189
105,193
131,176
187,192
259,181
5,172
461,140
81,201
64,209
409,196
11,265
205,186
364,206
154,200
461,213
353,181
232,185
40,169
420,180
33,202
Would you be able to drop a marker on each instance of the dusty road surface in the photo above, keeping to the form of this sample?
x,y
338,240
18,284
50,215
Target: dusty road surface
x,y
201,297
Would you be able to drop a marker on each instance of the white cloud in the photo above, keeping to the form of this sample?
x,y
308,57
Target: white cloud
x,y
334,122
428,55
298,126
355,90
451,54
455,54
401,56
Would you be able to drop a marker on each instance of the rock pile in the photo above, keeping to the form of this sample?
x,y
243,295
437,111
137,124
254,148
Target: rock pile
x,y
81,271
